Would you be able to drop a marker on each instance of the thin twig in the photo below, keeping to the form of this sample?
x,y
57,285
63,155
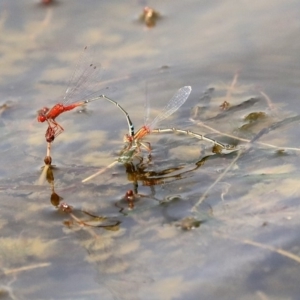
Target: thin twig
x,y
26,268
263,246
99,172
199,123
48,149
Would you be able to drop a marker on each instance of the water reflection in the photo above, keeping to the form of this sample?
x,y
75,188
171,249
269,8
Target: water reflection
x,y
139,173
78,216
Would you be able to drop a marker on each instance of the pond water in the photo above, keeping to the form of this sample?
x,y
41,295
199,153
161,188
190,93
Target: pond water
x,y
187,222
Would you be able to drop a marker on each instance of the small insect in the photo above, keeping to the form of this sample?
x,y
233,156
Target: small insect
x,y
78,93
49,115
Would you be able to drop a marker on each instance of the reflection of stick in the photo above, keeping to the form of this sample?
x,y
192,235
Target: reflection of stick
x,y
99,172
42,177
77,220
240,152
47,161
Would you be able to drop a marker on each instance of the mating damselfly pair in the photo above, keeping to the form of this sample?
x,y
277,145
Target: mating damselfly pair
x,y
78,93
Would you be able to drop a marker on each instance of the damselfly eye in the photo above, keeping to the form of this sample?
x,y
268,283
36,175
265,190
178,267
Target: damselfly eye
x,y
41,118
42,114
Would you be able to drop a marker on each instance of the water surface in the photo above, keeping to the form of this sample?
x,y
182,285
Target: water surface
x,y
242,204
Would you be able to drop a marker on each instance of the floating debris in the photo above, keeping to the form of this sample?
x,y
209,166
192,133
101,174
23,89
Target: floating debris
x,y
189,223
254,116
149,16
225,105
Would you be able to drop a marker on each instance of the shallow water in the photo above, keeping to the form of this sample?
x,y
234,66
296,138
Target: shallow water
x,y
242,204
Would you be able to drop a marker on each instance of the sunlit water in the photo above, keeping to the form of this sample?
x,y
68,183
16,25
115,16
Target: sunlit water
x,y
244,209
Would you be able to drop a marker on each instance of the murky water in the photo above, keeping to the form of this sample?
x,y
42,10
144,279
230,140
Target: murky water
x,y
199,225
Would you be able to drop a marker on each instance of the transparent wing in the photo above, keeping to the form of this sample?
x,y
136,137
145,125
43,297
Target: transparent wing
x,y
85,79
176,101
147,105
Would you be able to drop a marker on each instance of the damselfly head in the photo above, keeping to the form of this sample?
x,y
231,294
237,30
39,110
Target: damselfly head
x,y
41,114
127,138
